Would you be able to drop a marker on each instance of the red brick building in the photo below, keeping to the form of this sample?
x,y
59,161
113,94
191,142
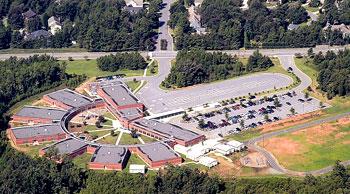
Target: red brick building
x,y
36,134
66,99
164,131
157,154
68,147
38,115
109,158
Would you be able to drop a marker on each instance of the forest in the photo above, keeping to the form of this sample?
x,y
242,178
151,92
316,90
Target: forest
x,y
334,70
131,61
22,78
229,27
197,66
102,25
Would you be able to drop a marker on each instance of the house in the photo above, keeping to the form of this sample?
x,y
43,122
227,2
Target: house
x,y
345,29
36,35
36,134
238,146
293,26
38,115
54,25
198,3
134,3
28,14
224,149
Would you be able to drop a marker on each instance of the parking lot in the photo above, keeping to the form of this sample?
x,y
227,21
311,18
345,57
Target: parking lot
x,y
157,100
242,114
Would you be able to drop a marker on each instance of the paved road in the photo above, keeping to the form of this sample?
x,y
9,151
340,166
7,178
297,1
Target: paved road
x,y
172,54
164,28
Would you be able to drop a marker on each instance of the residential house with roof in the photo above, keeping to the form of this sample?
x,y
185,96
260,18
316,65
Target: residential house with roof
x,y
345,29
36,134
54,24
36,35
29,14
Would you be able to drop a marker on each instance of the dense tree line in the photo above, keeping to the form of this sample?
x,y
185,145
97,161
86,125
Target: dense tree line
x,y
21,78
197,66
102,25
230,27
334,70
132,61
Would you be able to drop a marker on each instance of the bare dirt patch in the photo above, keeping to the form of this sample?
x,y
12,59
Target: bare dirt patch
x,y
255,160
84,86
346,142
316,134
225,168
344,121
291,121
282,146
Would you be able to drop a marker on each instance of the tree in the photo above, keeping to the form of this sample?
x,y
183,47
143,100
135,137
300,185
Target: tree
x,y
314,3
98,124
306,95
185,117
321,104
134,134
276,102
52,153
15,18
5,37
101,119
266,117
163,44
292,111
241,123
310,53
34,24
201,124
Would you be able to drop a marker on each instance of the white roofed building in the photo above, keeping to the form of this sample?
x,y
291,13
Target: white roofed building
x,y
208,161
54,25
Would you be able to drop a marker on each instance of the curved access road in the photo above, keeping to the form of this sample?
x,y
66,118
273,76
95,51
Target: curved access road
x,y
288,61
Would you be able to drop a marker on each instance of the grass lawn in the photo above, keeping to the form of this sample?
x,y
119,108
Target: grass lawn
x,y
109,139
33,150
339,104
134,159
126,139
311,150
90,69
99,133
109,115
82,160
28,101
133,84
155,66
93,127
312,9
147,139
244,135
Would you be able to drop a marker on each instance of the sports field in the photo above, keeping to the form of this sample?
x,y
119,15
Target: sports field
x,y
312,148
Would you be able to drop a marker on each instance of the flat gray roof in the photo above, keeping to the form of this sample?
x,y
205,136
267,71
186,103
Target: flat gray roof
x,y
68,146
168,129
110,155
120,95
70,98
130,113
41,112
158,151
38,130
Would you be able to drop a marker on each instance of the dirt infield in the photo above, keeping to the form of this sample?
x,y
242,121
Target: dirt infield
x,y
312,148
255,160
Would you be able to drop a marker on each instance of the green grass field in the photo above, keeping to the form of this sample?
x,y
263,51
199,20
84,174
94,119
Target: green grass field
x,y
82,160
89,68
339,104
320,152
109,139
134,159
133,84
33,150
147,139
126,139
155,65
